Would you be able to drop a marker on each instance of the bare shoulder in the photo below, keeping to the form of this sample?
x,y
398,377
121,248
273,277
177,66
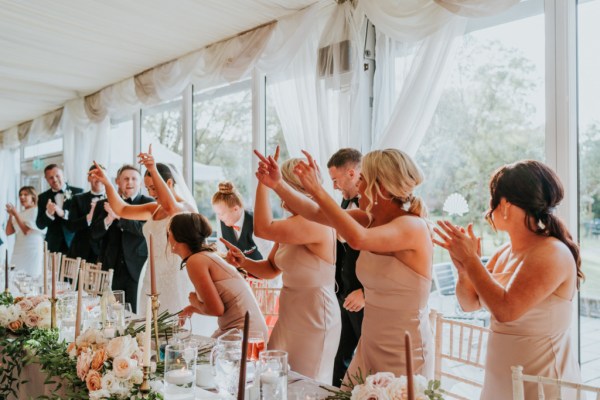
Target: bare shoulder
x,y
416,224
551,253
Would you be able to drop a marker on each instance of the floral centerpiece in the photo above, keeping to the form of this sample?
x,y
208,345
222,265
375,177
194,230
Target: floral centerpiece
x,y
24,314
386,386
111,369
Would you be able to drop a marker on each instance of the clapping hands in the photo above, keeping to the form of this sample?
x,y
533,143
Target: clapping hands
x,y
10,209
461,243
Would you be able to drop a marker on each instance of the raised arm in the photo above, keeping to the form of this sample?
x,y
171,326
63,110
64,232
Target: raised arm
x,y
165,196
15,218
269,175
141,212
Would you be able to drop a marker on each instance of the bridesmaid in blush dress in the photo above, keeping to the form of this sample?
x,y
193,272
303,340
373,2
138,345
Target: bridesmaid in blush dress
x,y
309,323
395,259
220,290
528,285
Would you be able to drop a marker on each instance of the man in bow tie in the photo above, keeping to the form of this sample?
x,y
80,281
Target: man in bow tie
x,y
122,244
80,221
344,170
53,209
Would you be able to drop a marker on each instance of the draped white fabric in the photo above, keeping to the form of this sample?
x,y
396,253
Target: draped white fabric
x,y
416,40
402,115
9,186
83,142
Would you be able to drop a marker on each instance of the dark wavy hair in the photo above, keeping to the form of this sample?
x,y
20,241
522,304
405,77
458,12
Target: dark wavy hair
x,y
164,171
535,188
193,229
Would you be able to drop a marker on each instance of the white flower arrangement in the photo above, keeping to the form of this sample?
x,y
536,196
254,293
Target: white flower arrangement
x,y
386,386
109,368
26,313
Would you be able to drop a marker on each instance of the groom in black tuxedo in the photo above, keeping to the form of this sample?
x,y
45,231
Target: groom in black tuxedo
x,y
122,243
53,209
344,170
80,221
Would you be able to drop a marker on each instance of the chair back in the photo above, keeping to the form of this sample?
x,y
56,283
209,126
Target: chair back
x,y
96,281
69,270
518,379
459,356
267,299
90,265
443,277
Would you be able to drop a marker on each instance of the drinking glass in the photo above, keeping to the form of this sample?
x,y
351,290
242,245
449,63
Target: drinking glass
x,y
226,358
182,328
273,371
256,344
119,296
180,371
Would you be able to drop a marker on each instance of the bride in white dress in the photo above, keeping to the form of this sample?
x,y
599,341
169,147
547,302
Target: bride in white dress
x,y
172,284
28,252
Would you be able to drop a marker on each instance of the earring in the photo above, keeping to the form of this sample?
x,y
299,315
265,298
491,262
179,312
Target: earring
x,y
505,215
375,202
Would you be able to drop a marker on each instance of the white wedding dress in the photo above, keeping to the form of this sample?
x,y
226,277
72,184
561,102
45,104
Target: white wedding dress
x,y
28,253
173,284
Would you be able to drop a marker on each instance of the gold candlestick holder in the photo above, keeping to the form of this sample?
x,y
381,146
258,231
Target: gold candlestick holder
x,y
52,312
155,307
145,386
6,291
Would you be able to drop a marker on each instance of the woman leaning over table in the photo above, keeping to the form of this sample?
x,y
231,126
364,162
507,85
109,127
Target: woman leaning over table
x,y
309,322
529,283
395,259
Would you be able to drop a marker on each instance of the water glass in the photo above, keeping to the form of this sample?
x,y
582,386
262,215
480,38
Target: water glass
x,y
273,371
226,358
180,371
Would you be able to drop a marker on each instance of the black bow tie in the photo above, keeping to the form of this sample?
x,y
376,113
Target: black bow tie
x,y
97,196
346,202
58,191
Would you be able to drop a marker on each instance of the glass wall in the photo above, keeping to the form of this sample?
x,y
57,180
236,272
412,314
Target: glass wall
x,y
162,127
589,181
121,145
34,159
222,142
491,112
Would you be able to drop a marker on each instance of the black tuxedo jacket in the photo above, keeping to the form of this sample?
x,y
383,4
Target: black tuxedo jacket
x,y
345,266
58,236
82,245
123,241
245,242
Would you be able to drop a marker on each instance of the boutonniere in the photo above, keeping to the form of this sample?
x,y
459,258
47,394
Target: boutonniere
x,y
68,194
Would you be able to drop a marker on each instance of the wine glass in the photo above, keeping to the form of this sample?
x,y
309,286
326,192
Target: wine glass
x,y
256,344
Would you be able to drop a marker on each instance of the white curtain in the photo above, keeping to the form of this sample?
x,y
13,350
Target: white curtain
x,y
84,141
9,184
414,51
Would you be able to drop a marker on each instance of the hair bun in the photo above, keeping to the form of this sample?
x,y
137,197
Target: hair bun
x,y
226,187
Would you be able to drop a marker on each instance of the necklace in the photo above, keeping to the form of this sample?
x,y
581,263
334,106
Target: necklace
x,y
184,262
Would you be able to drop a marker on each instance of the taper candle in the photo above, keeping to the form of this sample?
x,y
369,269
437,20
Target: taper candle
x,y
409,366
6,272
152,272
147,334
54,255
79,303
45,274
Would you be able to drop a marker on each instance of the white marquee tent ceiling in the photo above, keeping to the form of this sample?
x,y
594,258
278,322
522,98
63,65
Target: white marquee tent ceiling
x,y
54,51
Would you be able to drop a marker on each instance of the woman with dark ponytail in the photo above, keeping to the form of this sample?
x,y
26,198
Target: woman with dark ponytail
x,y
220,289
529,283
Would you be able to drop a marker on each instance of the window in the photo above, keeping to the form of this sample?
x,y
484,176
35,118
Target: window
x,y
54,146
222,142
275,138
121,145
589,195
491,112
162,127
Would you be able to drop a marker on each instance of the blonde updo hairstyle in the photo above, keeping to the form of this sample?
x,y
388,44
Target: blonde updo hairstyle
x,y
228,195
398,174
287,173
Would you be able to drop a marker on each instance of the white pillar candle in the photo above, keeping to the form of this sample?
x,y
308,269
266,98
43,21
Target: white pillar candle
x,y
179,376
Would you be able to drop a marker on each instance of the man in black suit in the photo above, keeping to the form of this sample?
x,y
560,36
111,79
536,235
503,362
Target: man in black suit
x,y
80,221
123,246
344,170
53,209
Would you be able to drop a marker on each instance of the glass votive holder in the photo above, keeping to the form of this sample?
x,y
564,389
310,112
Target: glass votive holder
x,y
180,371
273,371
